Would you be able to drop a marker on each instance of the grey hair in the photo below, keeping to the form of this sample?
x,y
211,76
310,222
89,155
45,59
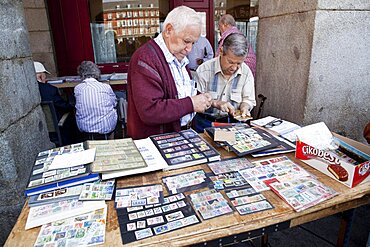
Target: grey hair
x,y
237,44
227,20
181,17
88,69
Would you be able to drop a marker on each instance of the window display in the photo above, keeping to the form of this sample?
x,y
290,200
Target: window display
x,y
118,28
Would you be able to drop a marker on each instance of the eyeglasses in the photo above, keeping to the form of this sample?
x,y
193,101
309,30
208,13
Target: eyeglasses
x,y
273,123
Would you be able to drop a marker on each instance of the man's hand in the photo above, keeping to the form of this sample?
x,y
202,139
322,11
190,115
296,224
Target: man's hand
x,y
201,102
199,61
245,109
223,106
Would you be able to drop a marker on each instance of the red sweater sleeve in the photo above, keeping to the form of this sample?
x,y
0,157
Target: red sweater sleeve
x,y
153,106
153,97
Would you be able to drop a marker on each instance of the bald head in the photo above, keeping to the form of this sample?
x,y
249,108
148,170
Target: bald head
x,y
226,21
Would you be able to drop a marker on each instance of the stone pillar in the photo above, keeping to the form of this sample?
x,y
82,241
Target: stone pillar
x,y
38,27
313,62
23,130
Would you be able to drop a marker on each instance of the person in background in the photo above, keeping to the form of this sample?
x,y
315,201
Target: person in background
x,y
95,104
228,79
50,93
227,26
161,95
202,51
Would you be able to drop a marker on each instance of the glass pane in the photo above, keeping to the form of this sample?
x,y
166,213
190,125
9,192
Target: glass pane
x,y
245,15
252,32
118,28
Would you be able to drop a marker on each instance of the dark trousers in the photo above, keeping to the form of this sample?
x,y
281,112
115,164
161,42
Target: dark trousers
x,y
96,136
69,131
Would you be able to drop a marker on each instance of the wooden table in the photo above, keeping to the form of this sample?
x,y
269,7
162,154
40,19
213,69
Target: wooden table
x,y
223,228
72,84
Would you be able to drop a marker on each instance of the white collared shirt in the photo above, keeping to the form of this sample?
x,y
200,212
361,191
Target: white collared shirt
x,y
185,86
237,89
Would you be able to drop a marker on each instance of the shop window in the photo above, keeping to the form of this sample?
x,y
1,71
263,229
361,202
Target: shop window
x,y
245,14
118,28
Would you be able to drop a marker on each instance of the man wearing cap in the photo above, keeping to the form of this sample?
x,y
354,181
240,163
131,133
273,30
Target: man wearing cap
x,y
50,93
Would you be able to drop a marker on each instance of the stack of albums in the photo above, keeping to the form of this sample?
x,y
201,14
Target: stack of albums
x,y
141,222
55,196
100,190
43,178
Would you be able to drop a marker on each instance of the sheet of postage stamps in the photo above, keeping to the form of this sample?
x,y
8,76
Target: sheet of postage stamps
x,y
145,221
83,230
186,181
210,204
271,168
229,165
301,192
139,196
101,190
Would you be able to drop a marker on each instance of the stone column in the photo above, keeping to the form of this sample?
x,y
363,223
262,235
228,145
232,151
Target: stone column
x,y
313,62
39,32
23,130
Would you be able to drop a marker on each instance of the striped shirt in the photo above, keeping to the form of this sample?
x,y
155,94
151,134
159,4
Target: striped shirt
x,y
95,102
185,86
237,89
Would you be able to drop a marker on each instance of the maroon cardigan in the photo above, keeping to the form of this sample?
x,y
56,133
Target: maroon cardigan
x,y
153,106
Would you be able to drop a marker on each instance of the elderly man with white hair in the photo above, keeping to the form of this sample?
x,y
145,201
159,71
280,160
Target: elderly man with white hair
x,y
161,94
95,104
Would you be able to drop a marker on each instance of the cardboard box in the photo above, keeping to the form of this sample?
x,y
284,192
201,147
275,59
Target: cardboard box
x,y
336,167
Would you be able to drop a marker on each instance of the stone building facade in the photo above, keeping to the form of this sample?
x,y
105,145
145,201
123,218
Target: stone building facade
x,y
23,130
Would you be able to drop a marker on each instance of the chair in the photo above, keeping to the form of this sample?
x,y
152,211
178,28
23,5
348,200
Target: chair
x,y
122,113
52,122
260,107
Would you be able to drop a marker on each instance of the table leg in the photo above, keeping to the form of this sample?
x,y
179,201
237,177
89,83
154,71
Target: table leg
x,y
264,240
345,228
